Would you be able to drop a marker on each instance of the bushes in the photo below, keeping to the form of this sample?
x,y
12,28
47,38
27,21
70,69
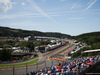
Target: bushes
x,y
26,57
5,54
92,39
93,46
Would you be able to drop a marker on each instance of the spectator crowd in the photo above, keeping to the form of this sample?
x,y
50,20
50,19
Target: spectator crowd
x,y
70,67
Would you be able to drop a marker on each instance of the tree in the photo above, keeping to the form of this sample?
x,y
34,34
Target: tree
x,y
5,54
30,45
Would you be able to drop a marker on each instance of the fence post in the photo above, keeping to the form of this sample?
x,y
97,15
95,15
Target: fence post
x,y
52,62
26,68
37,66
58,61
45,63
13,69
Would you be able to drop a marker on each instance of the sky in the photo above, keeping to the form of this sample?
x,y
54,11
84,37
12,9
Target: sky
x,y
71,17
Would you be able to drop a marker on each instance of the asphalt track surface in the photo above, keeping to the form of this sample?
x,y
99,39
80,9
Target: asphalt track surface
x,y
43,62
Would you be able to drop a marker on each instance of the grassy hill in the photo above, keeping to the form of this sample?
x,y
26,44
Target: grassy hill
x,y
93,42
89,38
10,32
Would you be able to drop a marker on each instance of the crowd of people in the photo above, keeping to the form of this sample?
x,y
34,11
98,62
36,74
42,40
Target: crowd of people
x,y
70,67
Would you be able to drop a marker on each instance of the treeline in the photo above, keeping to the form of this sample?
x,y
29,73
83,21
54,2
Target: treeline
x,y
79,53
89,38
22,44
9,32
93,42
6,46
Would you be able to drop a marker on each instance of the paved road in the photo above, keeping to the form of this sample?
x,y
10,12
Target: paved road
x,y
41,64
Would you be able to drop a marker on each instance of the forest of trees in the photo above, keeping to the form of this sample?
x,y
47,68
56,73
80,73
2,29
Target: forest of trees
x,y
5,54
89,38
93,42
9,32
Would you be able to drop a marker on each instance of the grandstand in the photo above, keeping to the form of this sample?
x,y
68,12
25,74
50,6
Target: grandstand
x,y
70,67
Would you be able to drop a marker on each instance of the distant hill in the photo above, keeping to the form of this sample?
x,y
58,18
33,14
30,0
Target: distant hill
x,y
10,32
92,39
89,38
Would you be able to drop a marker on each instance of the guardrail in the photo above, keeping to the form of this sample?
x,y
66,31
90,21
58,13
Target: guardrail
x,y
23,70
20,70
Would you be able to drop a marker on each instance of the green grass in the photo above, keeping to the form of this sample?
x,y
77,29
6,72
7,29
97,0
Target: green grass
x,y
65,49
20,64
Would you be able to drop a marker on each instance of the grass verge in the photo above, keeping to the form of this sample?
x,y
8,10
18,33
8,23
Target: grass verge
x,y
20,64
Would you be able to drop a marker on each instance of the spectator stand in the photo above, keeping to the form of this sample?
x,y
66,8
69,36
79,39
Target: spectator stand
x,y
70,67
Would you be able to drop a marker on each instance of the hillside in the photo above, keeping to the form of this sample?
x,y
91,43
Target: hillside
x,y
10,32
93,42
89,38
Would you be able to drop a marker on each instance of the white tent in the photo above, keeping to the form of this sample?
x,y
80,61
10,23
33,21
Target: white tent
x,y
87,51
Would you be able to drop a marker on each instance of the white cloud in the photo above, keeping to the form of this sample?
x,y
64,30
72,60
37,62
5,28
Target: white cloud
x,y
95,10
44,0
90,5
5,5
89,2
64,12
8,16
74,5
75,18
24,15
23,4
62,0
34,5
